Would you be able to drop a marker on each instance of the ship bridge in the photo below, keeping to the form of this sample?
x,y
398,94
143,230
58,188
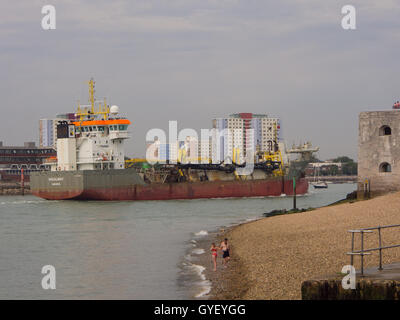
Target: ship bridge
x,y
94,141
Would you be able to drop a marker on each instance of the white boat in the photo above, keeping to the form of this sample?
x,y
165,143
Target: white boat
x,y
318,184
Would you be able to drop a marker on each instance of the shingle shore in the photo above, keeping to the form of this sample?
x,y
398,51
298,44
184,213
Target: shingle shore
x,y
272,256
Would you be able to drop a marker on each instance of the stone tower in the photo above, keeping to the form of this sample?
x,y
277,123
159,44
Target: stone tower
x,y
378,152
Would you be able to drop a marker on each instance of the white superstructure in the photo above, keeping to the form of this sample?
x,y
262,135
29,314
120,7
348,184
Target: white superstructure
x,y
95,141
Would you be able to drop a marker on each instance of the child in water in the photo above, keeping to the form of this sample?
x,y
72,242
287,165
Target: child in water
x,y
214,250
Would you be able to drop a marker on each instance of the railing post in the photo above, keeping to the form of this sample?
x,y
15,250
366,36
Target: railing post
x,y
369,189
294,194
352,249
380,248
365,190
362,253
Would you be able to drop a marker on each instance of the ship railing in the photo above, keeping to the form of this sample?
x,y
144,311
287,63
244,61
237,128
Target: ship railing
x,y
362,252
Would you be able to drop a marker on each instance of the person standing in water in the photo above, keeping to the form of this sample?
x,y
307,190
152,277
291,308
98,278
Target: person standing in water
x,y
225,251
214,250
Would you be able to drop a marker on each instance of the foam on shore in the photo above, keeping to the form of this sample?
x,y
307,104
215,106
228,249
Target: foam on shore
x,y
201,233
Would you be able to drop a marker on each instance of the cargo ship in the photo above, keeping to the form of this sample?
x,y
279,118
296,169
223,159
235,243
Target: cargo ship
x,y
91,165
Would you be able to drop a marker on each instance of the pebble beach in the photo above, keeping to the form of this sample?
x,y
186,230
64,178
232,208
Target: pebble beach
x,y
272,256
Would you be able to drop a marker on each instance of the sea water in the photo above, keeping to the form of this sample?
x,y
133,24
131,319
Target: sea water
x,y
121,250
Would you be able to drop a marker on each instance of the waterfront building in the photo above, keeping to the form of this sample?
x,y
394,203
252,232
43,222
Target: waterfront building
x,y
48,130
28,157
195,150
161,152
189,151
378,152
234,140
229,140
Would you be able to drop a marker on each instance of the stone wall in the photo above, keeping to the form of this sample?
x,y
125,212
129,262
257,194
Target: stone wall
x,y
366,289
7,189
375,148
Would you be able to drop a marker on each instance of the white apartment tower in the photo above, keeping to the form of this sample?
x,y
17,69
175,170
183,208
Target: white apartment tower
x,y
234,138
48,130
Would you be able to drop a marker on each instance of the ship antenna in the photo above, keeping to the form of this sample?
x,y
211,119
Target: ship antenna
x,y
106,110
79,111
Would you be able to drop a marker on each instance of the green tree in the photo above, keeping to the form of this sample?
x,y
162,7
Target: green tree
x,y
349,168
343,159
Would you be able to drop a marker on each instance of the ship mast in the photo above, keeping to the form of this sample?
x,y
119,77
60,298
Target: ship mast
x,y
91,93
103,110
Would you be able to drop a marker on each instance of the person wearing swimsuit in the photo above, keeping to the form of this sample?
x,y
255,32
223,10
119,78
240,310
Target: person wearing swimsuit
x,y
214,251
225,251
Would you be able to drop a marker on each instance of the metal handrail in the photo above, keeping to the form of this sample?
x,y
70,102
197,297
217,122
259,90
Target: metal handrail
x,y
363,251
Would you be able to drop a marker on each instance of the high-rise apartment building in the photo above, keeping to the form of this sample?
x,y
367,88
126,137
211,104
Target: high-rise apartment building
x,y
231,139
48,130
234,138
47,133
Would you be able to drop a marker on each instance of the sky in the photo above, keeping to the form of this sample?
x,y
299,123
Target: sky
x,y
195,60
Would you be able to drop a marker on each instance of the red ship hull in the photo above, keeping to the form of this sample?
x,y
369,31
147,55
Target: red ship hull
x,y
183,190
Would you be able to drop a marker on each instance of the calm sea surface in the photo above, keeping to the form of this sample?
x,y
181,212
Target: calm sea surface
x,y
120,250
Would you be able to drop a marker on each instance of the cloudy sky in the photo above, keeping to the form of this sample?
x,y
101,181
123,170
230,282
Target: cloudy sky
x,y
193,60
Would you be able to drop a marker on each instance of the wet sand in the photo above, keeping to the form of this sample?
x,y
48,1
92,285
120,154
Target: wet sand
x,y
272,256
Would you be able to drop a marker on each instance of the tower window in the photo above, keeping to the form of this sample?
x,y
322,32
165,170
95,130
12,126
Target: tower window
x,y
385,131
385,167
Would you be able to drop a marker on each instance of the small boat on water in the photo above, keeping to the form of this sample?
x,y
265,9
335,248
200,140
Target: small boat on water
x,y
320,185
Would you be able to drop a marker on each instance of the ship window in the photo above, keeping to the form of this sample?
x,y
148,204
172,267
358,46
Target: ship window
x,y
90,129
101,128
111,128
385,167
385,131
115,127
